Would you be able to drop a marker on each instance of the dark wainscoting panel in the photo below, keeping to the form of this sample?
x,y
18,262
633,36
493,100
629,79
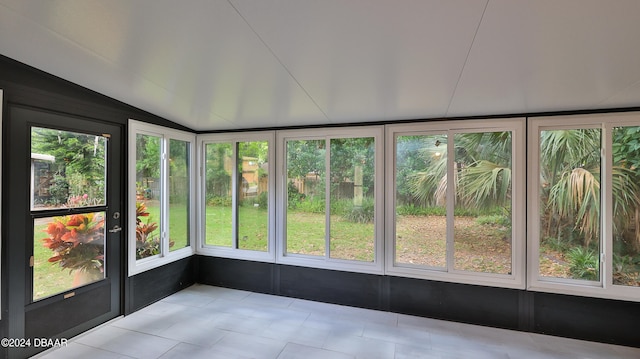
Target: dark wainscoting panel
x,y
150,286
608,321
496,307
237,274
346,288
594,319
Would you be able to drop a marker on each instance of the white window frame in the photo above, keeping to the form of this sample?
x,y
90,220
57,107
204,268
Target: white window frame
x,y
604,288
230,252
282,257
517,277
165,256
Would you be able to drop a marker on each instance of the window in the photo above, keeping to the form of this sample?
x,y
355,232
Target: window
x,y
456,204
584,201
331,192
237,189
68,207
161,207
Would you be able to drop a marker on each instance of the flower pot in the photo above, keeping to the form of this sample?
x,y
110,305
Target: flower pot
x,y
82,277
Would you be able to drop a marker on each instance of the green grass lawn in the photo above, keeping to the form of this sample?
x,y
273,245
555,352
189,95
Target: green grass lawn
x,y
252,227
306,235
348,240
178,222
48,278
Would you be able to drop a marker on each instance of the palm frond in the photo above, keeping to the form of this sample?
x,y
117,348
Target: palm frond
x,y
577,196
485,185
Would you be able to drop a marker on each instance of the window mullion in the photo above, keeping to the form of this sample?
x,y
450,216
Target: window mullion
x,y
234,197
606,207
450,202
164,194
327,198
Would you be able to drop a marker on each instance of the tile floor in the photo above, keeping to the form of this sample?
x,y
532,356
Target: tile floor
x,y
211,322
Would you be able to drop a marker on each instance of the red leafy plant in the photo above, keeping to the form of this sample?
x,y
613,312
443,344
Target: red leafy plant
x,y
77,242
147,242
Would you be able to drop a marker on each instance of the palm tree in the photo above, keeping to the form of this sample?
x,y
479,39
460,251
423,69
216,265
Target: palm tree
x,y
482,174
570,191
570,183
569,172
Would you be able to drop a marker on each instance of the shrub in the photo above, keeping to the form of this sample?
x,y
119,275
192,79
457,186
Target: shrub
x,y
414,210
583,263
626,270
494,220
294,197
263,200
260,201
361,214
219,201
59,189
310,204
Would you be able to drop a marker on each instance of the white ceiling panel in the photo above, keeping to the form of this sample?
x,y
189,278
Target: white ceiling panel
x,y
370,59
233,64
549,55
201,65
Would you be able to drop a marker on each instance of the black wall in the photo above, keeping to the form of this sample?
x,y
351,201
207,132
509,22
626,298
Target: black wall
x,y
150,286
601,320
28,87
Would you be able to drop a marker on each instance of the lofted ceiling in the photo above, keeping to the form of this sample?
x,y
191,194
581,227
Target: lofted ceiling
x,y
232,64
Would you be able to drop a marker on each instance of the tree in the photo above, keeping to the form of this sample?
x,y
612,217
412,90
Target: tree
x,y
218,175
147,156
570,172
79,161
482,173
346,154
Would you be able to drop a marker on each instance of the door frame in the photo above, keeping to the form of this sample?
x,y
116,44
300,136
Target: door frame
x,y
19,303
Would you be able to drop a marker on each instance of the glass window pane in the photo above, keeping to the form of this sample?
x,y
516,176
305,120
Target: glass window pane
x,y
482,211
179,188
148,192
218,192
253,196
352,198
68,169
626,206
68,252
306,211
570,204
421,180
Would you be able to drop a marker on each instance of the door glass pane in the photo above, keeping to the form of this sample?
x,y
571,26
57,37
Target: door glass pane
x,y
68,252
421,183
68,169
482,211
570,204
626,206
179,189
253,184
218,192
148,193
306,212
352,201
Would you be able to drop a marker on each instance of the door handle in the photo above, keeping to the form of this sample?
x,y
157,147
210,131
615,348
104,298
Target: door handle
x,y
115,229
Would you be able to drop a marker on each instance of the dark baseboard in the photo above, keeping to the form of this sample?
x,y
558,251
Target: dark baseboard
x,y
150,286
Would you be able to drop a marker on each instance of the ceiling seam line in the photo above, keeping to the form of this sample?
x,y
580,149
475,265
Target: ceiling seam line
x,y
103,58
466,59
279,60
605,100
